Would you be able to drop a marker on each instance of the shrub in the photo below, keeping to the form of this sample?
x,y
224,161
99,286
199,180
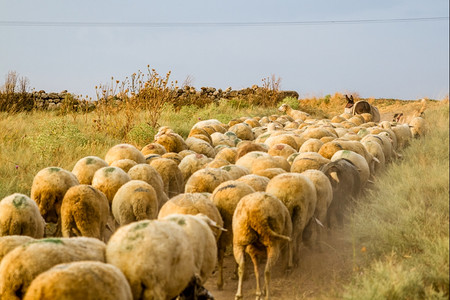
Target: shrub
x,y
141,134
292,102
15,96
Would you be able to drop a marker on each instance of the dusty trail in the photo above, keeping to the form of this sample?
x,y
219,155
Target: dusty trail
x,y
320,275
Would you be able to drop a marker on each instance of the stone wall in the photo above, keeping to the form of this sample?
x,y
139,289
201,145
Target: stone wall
x,y
217,94
54,101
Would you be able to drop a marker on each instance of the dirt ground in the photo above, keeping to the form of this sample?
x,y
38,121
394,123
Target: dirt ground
x,y
320,275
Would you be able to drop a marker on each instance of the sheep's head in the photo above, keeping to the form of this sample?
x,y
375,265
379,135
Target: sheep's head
x,y
283,107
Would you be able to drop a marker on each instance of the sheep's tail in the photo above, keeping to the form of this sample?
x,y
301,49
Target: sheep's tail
x,y
280,236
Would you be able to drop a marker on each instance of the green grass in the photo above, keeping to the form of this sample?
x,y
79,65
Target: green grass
x,y
403,224
36,140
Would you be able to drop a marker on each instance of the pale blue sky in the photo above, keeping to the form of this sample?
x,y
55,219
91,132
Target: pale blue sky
x,y
405,60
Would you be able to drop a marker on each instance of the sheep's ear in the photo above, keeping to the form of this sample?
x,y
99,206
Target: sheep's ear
x,y
351,97
346,97
335,177
375,159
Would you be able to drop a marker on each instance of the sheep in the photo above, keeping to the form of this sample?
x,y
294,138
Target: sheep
x,y
136,200
163,259
235,172
204,123
201,134
386,132
200,146
86,167
84,212
293,113
228,154
185,153
358,120
287,139
242,131
243,149
192,204
319,132
311,145
257,182
170,174
346,115
124,151
281,150
125,164
108,180
88,280
367,117
149,174
308,160
48,189
217,163
292,125
206,180
341,131
153,148
170,140
19,215
226,197
324,193
299,195
384,143
10,242
269,172
218,138
202,137
253,123
375,149
388,136
418,127
202,241
192,163
337,119
173,156
263,163
151,157
403,135
328,150
358,161
346,183
292,157
20,266
260,221
257,159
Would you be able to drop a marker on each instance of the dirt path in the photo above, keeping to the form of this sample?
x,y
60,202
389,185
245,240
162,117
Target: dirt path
x,y
320,275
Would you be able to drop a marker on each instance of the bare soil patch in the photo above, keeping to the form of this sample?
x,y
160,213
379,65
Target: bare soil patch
x,y
320,275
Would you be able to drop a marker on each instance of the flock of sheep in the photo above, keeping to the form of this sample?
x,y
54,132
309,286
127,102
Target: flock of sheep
x,y
155,223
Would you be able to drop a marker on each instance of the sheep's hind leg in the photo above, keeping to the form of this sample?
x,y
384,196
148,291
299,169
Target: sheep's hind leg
x,y
253,255
239,255
220,256
272,256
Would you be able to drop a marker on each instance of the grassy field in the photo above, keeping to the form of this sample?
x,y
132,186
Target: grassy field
x,y
399,230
